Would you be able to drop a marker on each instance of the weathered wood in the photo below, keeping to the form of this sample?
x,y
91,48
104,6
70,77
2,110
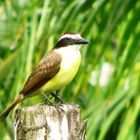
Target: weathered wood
x,y
47,122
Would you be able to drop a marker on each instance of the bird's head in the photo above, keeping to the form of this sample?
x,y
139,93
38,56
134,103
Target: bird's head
x,y
70,39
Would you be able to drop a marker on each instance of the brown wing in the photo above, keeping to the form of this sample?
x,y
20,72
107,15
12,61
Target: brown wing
x,y
45,70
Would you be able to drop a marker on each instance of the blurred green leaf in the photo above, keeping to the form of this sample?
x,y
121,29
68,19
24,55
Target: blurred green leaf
x,y
106,86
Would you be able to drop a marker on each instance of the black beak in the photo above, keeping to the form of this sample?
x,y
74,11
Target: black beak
x,y
82,41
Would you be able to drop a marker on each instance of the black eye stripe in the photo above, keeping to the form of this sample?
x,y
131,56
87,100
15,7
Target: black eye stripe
x,y
64,42
68,38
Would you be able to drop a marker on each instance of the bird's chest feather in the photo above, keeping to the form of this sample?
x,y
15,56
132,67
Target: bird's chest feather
x,y
70,60
70,63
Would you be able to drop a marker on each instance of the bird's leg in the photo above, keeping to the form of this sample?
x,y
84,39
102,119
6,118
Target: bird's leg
x,y
47,100
55,95
50,102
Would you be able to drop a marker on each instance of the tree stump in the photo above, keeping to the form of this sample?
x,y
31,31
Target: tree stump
x,y
48,122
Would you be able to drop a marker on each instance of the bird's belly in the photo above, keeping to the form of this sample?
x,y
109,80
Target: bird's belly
x,y
68,70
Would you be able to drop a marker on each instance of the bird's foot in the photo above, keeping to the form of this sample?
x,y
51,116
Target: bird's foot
x,y
58,107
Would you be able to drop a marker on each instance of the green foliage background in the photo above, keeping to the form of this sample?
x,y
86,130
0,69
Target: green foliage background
x,y
29,29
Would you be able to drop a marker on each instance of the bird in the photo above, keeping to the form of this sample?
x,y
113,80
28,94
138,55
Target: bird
x,y
55,70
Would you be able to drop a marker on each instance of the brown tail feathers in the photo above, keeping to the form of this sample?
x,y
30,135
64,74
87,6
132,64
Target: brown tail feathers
x,y
11,106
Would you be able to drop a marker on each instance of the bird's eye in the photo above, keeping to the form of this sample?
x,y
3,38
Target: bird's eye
x,y
68,39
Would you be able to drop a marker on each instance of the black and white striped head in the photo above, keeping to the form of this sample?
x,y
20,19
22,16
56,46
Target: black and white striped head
x,y
70,39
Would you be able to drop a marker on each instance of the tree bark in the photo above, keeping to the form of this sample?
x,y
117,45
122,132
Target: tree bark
x,y
48,122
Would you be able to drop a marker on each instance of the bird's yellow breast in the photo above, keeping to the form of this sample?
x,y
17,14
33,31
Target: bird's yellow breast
x,y
71,59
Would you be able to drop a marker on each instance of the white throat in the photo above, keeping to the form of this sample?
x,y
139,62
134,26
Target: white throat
x,y
69,54
69,49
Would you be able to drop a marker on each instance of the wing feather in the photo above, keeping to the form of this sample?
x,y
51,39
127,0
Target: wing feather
x,y
45,70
